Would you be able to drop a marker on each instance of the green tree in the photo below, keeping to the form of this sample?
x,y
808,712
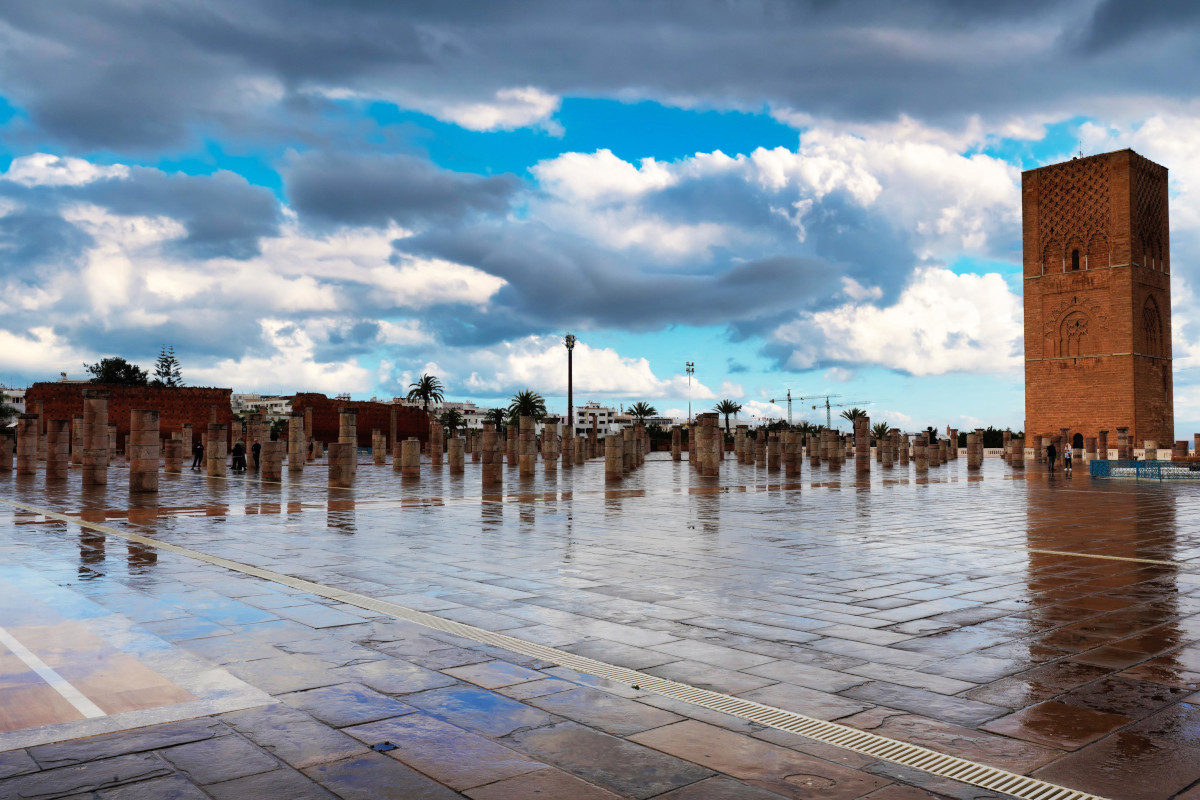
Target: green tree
x,y
527,403
880,430
7,412
118,371
278,428
640,411
727,407
427,389
166,368
852,414
452,419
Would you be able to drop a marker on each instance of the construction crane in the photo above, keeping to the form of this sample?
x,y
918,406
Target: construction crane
x,y
789,399
828,406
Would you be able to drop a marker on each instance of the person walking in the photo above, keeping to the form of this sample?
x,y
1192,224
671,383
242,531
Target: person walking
x,y
239,456
256,451
1051,455
1067,458
197,455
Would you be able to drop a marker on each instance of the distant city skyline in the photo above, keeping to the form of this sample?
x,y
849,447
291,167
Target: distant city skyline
x,y
818,198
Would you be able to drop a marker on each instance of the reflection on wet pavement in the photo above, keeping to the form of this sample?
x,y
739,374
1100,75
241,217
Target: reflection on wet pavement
x,y
1031,622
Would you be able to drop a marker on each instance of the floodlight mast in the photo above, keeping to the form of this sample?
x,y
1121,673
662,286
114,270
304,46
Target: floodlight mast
x,y
691,370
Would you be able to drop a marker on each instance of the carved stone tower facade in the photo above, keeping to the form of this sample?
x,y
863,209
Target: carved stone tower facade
x,y
1098,298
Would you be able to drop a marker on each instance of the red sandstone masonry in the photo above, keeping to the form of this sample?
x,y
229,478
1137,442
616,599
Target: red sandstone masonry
x,y
176,405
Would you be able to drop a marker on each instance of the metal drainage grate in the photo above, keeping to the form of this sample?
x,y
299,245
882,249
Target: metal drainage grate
x,y
870,744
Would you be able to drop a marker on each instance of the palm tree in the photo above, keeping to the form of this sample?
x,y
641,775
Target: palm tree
x,y
640,411
452,419
427,389
498,417
727,407
880,430
527,403
852,414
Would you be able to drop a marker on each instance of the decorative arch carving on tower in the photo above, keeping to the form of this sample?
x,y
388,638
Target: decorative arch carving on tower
x,y
1076,328
1149,212
1098,251
1152,329
1074,202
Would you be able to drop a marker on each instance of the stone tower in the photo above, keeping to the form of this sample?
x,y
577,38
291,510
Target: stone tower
x,y
1098,298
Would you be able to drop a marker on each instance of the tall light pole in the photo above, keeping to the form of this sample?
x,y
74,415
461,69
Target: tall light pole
x,y
691,370
569,342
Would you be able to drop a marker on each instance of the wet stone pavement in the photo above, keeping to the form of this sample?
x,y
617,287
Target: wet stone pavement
x,y
1044,625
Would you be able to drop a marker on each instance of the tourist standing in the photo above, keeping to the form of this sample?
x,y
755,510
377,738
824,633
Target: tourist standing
x,y
197,455
1051,455
255,450
1067,457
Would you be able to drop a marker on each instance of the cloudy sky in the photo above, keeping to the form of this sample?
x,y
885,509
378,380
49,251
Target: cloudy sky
x,y
818,196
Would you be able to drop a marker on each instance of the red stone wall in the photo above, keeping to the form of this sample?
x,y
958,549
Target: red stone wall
x,y
409,421
176,406
1089,363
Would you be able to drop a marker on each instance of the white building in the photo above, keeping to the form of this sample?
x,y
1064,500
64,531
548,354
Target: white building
x,y
472,413
13,397
270,406
606,419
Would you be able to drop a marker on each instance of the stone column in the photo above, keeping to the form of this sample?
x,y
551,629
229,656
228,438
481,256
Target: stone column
x,y
378,448
887,449
173,455
187,438
297,443
492,471
1089,446
410,458
815,448
272,461
921,453
593,438
1007,436
739,444
112,442
527,455
1018,454
566,449
1044,443
550,447
216,452
456,455
27,444
944,451
144,450
58,449
1180,450
614,456
6,453
793,462
862,445
511,455
581,447
1102,445
905,450
77,439
341,465
676,443
974,451
1124,452
760,448
774,457
952,452
629,454
932,450
641,443
475,444
95,437
437,443
716,447
1151,448
348,434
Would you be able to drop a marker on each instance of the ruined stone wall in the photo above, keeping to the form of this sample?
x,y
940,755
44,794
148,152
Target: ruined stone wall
x,y
176,405
325,422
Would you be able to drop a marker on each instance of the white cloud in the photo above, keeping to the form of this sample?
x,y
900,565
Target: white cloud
x,y
757,411
44,169
942,322
419,282
40,352
601,176
540,363
290,363
731,390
